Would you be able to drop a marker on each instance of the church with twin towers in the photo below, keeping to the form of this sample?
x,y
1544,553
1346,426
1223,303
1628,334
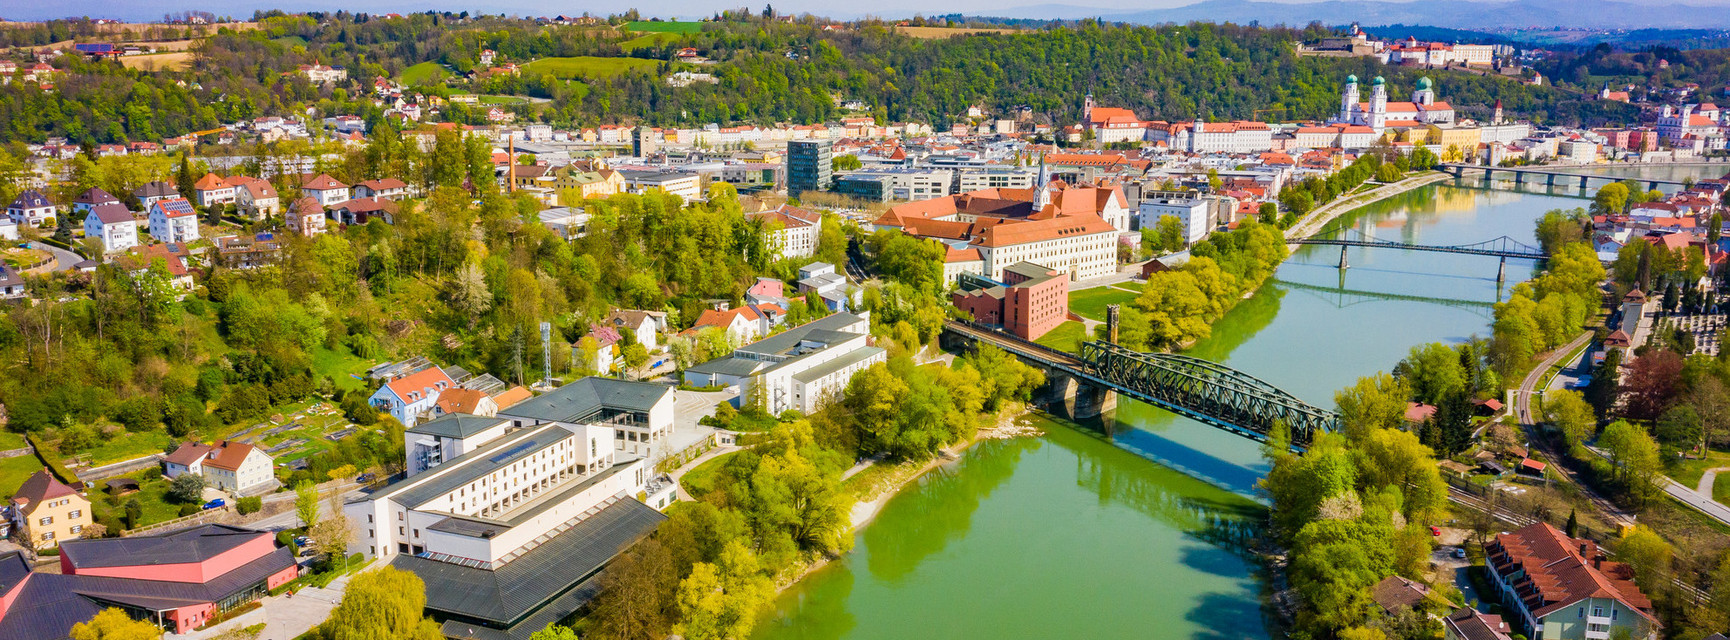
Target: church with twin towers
x,y
1380,114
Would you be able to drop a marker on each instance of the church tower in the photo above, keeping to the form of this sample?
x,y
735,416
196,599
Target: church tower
x,y
1425,95
1378,104
1349,100
1087,108
1496,116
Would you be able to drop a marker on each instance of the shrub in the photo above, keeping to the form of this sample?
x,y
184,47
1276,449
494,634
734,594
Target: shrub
x,y
249,506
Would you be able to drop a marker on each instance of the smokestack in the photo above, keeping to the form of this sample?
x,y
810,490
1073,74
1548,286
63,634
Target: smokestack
x,y
1111,323
511,182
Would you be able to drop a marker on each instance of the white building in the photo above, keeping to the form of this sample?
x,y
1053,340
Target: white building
x,y
640,414
114,225
1378,113
408,397
894,183
792,231
800,368
1241,136
31,208
326,190
1192,210
685,185
994,177
173,220
233,467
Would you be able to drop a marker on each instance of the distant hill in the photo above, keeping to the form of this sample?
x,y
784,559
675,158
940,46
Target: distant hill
x,y
1605,14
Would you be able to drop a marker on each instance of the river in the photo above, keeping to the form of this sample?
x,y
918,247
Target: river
x,y
1067,535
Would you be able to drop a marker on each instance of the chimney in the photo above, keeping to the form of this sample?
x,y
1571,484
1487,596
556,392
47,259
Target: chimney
x,y
511,183
1111,323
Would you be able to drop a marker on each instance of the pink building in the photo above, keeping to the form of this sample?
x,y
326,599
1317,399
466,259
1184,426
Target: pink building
x,y
177,580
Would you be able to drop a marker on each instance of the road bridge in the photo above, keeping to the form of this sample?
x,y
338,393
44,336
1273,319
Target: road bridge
x,y
1550,176
1087,384
1503,247
1342,297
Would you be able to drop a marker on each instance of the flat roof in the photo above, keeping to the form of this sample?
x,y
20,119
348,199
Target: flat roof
x,y
730,366
505,597
851,358
417,490
578,399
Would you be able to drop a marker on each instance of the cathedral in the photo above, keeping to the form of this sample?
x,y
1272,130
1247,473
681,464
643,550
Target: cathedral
x,y
1379,114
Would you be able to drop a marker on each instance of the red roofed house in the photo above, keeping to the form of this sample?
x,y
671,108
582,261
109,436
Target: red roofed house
x,y
306,217
212,189
173,220
388,188
1419,413
325,189
792,231
469,401
256,197
46,512
410,396
1554,586
744,323
1030,300
227,466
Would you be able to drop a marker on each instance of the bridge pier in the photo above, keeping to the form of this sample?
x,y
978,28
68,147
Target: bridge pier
x,y
1077,400
1502,271
1343,264
1459,172
1583,180
1652,186
1519,177
1550,180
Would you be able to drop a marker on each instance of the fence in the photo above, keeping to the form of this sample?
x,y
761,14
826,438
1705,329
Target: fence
x,y
207,515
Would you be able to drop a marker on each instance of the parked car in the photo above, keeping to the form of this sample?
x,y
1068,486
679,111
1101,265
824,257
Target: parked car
x,y
1459,552
363,478
215,504
303,541
1435,530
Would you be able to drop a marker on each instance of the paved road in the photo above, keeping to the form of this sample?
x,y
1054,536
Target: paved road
x,y
63,259
1700,502
1523,396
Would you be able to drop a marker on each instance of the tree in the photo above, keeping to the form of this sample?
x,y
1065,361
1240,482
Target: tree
x,y
306,503
1634,456
1373,403
635,356
1654,379
1570,414
381,604
1604,388
1573,526
187,488
1650,556
721,600
1611,199
1170,233
134,513
114,624
555,632
332,534
1268,213
638,595
1679,428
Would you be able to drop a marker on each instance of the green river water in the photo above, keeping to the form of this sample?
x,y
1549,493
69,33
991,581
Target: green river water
x,y
1077,534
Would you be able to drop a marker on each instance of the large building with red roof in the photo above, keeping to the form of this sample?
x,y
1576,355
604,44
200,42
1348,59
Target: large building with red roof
x,y
177,581
409,397
1029,301
1554,586
1378,113
1072,230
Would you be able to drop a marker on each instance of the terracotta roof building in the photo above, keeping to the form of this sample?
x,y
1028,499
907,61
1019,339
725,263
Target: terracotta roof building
x,y
1563,587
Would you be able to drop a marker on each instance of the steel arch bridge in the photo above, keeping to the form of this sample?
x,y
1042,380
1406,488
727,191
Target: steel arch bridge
x,y
1504,247
1206,391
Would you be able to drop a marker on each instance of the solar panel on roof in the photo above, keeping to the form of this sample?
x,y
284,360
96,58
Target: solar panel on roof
x,y
512,452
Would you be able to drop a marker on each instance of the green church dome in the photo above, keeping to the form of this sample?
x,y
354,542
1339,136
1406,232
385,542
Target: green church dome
x,y
1352,79
1423,84
1379,80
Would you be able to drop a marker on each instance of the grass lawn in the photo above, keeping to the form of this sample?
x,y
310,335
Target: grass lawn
x,y
485,99
14,470
698,481
128,445
1688,472
651,40
586,66
1090,303
339,364
423,74
1066,337
648,26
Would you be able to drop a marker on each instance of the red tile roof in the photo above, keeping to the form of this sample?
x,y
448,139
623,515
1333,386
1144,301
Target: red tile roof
x,y
323,182
414,386
1552,571
229,455
40,486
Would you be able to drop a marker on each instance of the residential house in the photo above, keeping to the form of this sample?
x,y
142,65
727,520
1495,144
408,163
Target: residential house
x,y
180,580
360,210
248,252
213,190
92,198
408,397
325,189
821,279
150,192
173,256
642,325
388,188
466,401
47,512
114,225
1553,586
31,208
599,183
11,284
255,197
234,467
173,220
743,323
306,217
1468,624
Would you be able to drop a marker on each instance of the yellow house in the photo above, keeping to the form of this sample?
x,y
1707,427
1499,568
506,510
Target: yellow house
x,y
590,184
46,512
1462,137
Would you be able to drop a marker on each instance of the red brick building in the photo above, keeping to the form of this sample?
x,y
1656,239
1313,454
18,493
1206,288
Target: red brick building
x,y
1030,300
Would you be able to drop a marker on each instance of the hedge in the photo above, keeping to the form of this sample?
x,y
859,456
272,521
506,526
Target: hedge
x,y
59,470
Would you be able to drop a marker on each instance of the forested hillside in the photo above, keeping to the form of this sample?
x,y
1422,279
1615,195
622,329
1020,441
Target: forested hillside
x,y
768,71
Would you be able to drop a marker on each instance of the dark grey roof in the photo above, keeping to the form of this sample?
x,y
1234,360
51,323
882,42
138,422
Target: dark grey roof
x,y
51,603
95,195
845,360
157,189
1029,270
461,470
821,330
584,397
177,547
730,366
560,608
456,425
504,597
31,199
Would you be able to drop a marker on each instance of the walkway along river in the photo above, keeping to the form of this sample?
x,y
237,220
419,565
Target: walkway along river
x,y
1066,535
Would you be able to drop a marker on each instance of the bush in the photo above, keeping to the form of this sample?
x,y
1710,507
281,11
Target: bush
x,y
249,506
49,552
189,509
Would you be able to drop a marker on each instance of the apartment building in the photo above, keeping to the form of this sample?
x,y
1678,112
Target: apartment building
x,y
882,185
640,414
1197,213
792,231
1555,587
800,368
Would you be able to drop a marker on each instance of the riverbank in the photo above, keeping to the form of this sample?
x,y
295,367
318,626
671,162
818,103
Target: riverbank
x,y
1312,223
1010,424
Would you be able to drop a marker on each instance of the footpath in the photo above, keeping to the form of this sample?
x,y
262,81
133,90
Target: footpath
x,y
1313,222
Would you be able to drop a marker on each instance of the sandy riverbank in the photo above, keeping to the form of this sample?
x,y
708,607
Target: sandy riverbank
x,y
1011,423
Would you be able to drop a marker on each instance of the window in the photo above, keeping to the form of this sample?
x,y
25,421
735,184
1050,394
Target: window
x,y
75,513
48,535
401,531
46,521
